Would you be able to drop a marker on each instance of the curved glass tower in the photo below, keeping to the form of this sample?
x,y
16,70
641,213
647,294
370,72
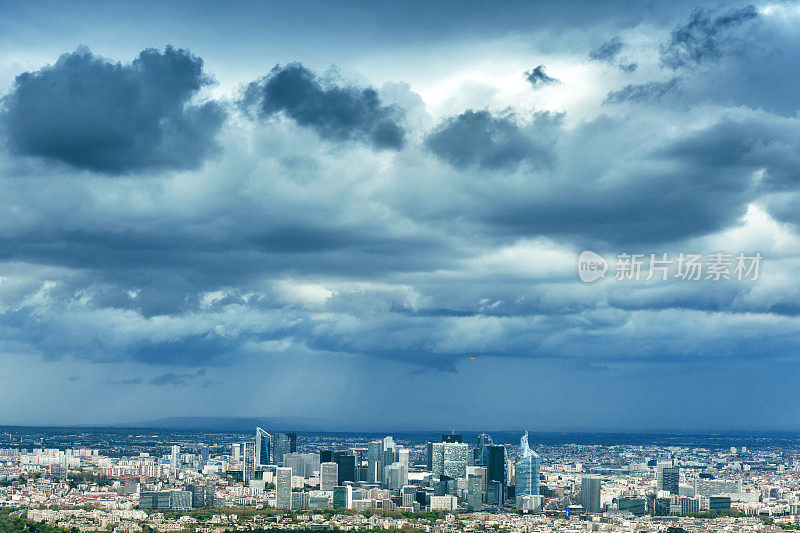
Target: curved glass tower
x,y
526,471
263,448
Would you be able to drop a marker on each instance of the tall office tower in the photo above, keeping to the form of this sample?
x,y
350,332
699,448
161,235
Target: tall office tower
x,y
347,466
670,479
396,476
343,497
430,456
496,463
451,437
449,459
478,471
205,455
590,493
455,459
236,451
380,454
660,466
283,488
526,472
249,461
474,492
263,448
211,495
437,458
328,476
403,455
389,451
198,495
484,441
326,456
284,443
175,457
374,461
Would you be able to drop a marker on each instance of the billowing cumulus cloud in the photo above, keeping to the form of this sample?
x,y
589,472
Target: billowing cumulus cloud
x,y
94,114
705,37
538,78
482,139
337,112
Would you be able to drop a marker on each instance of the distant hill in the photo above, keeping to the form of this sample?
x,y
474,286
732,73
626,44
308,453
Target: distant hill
x,y
214,423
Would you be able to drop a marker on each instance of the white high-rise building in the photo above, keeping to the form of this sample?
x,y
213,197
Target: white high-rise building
x,y
175,457
402,456
328,476
283,488
449,459
396,476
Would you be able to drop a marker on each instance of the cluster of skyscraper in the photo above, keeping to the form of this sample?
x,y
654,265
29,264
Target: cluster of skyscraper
x,y
264,451
484,475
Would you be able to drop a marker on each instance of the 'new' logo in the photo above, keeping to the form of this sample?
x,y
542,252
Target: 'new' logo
x,y
591,266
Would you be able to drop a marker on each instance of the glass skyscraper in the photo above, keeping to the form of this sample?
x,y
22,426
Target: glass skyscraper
x,y
526,471
375,461
263,448
284,443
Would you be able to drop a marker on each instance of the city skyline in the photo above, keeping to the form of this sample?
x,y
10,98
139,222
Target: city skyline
x,y
358,478
411,216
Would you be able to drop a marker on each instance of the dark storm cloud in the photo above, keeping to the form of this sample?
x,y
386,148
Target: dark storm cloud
x,y
745,144
704,37
114,118
284,246
334,111
538,78
652,91
478,138
624,186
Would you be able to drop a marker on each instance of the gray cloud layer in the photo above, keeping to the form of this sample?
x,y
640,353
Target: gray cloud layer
x,y
350,223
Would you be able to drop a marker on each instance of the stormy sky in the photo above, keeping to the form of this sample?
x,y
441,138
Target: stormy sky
x,y
371,213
